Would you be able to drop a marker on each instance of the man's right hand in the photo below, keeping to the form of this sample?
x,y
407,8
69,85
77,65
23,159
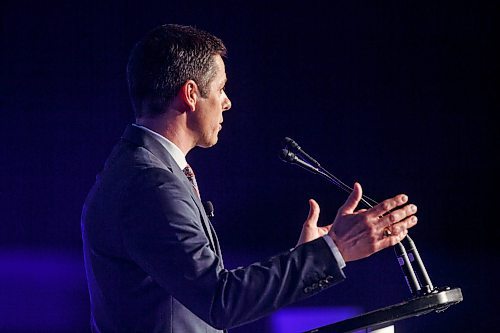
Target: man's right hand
x,y
359,234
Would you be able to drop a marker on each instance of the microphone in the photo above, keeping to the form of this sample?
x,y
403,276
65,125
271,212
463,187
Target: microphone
x,y
209,208
288,156
289,142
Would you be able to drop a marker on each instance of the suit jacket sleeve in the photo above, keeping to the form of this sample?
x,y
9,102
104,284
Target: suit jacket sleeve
x,y
162,233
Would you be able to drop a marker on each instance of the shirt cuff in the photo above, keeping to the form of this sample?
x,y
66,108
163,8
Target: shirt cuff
x,y
335,251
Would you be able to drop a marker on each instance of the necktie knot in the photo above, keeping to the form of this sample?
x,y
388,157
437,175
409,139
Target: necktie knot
x,y
188,171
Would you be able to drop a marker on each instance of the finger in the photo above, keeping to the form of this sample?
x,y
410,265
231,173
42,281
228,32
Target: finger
x,y
399,232
352,201
394,239
388,205
312,218
397,215
407,223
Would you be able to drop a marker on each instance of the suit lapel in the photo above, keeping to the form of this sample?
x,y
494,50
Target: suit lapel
x,y
216,242
204,218
146,140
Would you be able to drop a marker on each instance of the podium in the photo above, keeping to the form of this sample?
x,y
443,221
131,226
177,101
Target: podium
x,y
436,301
425,298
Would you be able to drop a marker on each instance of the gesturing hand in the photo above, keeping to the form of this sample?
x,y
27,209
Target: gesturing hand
x,y
358,234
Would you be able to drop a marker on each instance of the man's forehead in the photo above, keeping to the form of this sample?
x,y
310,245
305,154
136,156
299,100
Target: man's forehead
x,y
219,63
220,68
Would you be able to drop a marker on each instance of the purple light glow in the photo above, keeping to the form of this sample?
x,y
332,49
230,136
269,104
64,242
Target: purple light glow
x,y
296,319
42,291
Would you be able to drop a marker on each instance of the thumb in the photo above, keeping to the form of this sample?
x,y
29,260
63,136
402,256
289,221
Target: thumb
x,y
353,200
312,218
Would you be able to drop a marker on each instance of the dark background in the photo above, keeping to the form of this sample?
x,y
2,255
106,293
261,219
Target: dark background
x,y
398,95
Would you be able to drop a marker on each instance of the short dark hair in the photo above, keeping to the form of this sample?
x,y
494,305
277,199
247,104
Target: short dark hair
x,y
164,60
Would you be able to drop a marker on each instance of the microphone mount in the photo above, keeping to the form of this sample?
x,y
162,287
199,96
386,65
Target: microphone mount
x,y
419,284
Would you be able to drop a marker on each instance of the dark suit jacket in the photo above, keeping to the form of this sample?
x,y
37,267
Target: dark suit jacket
x,y
153,266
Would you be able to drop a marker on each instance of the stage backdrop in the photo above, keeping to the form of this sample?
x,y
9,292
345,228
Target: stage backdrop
x,y
396,95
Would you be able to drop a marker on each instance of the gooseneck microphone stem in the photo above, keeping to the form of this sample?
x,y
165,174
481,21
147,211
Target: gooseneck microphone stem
x,y
404,257
290,157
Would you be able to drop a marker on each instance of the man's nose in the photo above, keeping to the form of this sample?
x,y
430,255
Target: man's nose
x,y
227,104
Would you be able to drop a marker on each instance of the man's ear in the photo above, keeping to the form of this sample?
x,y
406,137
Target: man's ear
x,y
189,94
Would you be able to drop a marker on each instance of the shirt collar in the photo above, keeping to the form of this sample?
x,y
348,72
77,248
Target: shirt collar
x,y
171,148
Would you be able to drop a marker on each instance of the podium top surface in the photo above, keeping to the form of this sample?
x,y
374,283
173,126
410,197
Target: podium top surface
x,y
434,302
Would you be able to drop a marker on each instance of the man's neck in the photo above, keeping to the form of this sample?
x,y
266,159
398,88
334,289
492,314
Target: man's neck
x,y
170,128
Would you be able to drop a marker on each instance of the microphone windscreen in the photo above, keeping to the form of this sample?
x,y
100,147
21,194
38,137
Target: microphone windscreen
x,y
289,142
286,155
209,208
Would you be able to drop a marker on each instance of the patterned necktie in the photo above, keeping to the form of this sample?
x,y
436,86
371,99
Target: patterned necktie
x,y
192,179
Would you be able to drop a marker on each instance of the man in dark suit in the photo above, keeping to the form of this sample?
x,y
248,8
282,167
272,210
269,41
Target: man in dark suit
x,y
152,258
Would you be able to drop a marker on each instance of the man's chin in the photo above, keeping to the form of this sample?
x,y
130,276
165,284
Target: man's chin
x,y
209,143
